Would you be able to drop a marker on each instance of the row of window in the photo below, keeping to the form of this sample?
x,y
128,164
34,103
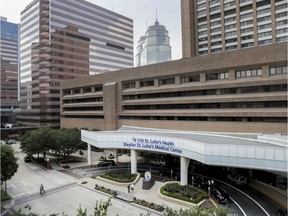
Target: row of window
x,y
223,105
215,76
85,90
248,73
278,70
208,92
79,109
205,118
83,100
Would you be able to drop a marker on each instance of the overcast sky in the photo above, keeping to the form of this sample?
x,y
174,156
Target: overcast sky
x,y
142,12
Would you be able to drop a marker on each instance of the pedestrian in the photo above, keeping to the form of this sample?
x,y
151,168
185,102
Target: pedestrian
x,y
132,188
128,187
42,191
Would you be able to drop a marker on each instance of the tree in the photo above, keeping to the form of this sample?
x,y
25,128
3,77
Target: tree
x,y
69,141
100,209
38,141
9,164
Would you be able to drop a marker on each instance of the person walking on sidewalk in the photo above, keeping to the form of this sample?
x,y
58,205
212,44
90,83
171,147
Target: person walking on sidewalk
x,y
132,187
42,191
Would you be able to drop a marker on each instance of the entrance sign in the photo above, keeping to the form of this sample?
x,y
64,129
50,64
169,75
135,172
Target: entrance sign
x,y
147,176
152,144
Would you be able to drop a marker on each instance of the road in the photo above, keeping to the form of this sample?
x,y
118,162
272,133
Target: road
x,y
245,201
65,194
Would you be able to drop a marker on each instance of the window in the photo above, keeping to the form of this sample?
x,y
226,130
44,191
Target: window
x,y
98,88
278,70
217,76
249,73
147,83
167,81
66,92
76,91
87,90
129,85
190,79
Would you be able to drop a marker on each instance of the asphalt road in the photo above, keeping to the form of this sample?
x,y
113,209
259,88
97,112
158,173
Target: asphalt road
x,y
245,201
66,196
63,193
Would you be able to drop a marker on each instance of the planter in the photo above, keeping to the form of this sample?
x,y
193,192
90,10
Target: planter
x,y
7,204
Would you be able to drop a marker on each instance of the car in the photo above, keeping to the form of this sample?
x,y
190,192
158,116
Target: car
x,y
282,212
157,163
237,179
27,159
220,195
106,163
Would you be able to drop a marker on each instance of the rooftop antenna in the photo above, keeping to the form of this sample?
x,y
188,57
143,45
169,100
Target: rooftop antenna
x,y
156,15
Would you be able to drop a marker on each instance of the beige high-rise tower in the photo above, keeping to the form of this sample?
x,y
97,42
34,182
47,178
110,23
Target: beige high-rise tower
x,y
213,26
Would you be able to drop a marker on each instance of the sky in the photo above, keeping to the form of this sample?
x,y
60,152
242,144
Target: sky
x,y
143,13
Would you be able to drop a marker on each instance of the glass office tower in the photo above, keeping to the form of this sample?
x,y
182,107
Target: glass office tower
x,y
9,69
63,40
154,47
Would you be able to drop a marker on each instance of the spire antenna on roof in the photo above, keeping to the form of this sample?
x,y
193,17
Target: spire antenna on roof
x,y
156,15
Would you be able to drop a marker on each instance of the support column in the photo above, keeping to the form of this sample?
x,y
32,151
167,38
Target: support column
x,y
184,163
133,161
89,154
116,155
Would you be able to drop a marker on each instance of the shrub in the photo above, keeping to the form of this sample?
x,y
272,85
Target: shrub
x,y
186,193
118,176
149,205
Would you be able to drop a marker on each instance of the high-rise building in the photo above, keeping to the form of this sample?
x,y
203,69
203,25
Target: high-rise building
x,y
63,39
9,69
223,25
154,47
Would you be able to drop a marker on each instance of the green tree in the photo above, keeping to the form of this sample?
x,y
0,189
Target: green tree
x,y
9,164
38,141
100,209
69,141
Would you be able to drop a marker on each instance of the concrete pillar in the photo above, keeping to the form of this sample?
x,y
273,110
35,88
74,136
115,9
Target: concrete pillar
x,y
184,163
133,161
116,155
89,154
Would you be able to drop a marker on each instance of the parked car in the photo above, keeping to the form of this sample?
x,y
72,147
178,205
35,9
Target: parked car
x,y
220,195
157,162
106,163
27,159
237,179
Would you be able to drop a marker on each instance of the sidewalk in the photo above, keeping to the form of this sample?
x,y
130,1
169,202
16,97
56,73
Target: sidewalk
x,y
148,195
151,195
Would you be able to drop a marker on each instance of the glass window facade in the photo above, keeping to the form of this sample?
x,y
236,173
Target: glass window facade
x,y
63,40
154,47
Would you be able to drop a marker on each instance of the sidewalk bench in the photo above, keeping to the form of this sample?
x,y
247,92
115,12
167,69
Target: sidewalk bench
x,y
124,196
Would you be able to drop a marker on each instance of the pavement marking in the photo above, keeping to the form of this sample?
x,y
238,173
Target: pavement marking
x,y
239,207
248,197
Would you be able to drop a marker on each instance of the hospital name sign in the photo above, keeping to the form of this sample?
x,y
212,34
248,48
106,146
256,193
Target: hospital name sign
x,y
152,144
